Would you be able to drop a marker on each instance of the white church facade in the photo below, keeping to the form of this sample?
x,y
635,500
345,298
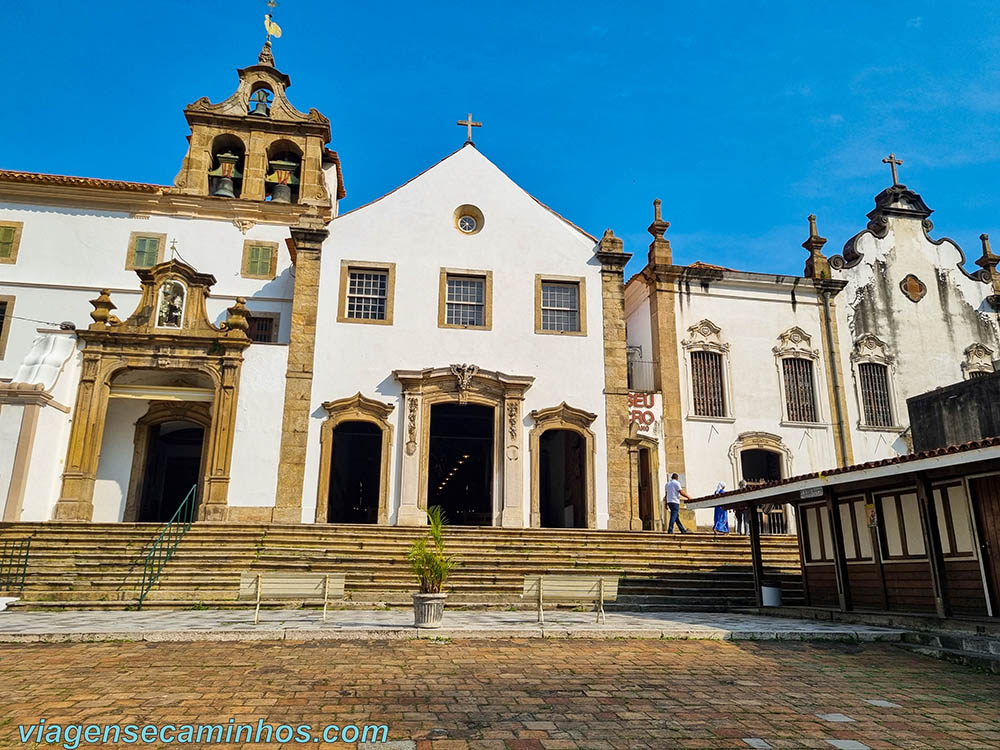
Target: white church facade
x,y
254,353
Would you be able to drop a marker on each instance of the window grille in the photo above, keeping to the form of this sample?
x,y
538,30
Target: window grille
x,y
800,398
366,294
875,394
706,372
978,373
262,330
147,250
560,307
466,301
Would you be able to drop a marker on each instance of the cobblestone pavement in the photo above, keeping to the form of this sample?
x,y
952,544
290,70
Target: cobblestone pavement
x,y
518,694
159,625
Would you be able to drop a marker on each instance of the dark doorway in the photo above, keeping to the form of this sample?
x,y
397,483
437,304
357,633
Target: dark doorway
x,y
173,467
355,473
645,490
562,494
986,499
760,466
460,465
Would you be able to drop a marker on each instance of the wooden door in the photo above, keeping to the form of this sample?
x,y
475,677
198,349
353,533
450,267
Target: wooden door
x,y
645,491
986,499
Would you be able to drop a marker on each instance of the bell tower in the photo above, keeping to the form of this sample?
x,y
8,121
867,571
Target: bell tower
x,y
255,146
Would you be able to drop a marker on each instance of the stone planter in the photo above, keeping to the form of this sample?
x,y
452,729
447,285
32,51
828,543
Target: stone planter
x,y
428,610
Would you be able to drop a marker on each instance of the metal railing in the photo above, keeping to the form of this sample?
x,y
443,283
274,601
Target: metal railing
x,y
641,375
165,543
13,564
773,522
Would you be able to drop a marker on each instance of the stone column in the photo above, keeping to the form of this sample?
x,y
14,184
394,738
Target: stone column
x,y
410,513
612,257
299,375
76,500
213,504
513,465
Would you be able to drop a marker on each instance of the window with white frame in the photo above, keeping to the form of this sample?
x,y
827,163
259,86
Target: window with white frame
x,y
560,306
854,529
902,536
367,293
817,536
465,301
708,368
796,358
873,369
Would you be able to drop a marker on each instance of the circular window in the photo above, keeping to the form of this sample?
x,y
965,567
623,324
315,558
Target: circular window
x,y
468,219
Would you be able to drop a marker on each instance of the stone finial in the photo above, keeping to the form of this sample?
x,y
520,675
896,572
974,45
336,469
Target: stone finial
x,y
817,265
659,226
610,243
102,311
266,57
236,318
989,262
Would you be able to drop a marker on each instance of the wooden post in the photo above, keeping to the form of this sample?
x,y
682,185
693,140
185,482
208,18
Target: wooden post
x,y
256,613
932,543
839,560
755,553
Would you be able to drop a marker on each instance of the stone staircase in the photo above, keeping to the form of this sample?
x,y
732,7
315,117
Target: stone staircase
x,y
89,566
970,649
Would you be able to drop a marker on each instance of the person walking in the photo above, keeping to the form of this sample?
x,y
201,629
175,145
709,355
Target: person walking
x,y
673,497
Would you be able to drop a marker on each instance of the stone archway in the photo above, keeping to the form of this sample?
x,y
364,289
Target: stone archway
x,y
169,333
463,384
158,413
357,408
759,441
563,417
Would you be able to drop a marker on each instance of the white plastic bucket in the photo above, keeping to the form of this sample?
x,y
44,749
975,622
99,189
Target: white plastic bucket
x,y
771,596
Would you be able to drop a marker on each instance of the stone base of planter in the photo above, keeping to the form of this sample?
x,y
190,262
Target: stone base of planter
x,y
428,610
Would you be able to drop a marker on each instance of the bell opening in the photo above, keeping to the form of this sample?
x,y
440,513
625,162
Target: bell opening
x,y
225,178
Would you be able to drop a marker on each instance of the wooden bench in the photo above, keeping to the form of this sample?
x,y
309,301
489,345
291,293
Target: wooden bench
x,y
571,587
297,586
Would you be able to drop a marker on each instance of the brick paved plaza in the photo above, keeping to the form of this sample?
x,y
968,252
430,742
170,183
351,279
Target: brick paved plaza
x,y
519,694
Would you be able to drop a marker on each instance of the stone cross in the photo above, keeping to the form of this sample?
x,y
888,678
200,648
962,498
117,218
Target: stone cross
x,y
470,125
893,162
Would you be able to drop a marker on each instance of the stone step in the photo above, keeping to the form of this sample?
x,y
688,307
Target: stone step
x,y
955,641
986,662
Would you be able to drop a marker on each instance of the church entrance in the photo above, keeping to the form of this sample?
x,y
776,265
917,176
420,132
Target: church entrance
x,y
355,473
460,463
173,467
647,483
562,480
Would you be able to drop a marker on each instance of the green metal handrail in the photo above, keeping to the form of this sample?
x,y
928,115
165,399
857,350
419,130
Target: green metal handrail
x,y
165,544
13,564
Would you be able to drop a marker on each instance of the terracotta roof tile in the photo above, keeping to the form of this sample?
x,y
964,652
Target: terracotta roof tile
x,y
905,458
8,175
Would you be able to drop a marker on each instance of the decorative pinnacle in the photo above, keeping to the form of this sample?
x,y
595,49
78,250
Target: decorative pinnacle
x,y
893,162
817,265
812,226
659,226
989,260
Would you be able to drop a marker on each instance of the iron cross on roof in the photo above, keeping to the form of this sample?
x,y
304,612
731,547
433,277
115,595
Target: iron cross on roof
x,y
470,125
893,162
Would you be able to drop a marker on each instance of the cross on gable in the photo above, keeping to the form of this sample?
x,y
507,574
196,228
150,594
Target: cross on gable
x,y
893,162
470,125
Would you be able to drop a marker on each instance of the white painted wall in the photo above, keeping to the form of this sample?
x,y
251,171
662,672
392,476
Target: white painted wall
x,y
10,430
254,474
927,338
414,228
115,464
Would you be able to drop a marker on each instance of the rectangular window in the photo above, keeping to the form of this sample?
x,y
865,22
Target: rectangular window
x,y
560,307
854,527
263,328
6,320
144,250
465,299
707,384
954,520
902,532
800,398
874,379
367,294
817,537
10,235
259,259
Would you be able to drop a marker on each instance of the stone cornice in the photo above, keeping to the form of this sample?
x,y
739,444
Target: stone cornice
x,y
28,394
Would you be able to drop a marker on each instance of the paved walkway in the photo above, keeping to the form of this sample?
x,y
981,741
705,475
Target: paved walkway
x,y
515,694
298,625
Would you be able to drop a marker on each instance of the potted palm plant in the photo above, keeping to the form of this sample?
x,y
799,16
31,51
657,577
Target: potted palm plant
x,y
432,567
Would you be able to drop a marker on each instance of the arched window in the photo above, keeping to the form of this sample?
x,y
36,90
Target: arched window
x,y
873,368
260,101
225,178
708,370
284,163
796,357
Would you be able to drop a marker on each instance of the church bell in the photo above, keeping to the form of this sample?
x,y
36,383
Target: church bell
x,y
224,175
281,180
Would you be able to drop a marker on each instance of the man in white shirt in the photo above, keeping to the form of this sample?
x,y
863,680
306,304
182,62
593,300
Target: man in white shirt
x,y
674,494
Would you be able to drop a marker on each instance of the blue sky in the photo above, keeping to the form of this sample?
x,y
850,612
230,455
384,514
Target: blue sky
x,y
742,117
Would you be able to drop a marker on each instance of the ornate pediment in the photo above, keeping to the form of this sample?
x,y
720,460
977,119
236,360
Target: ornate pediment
x,y
564,414
173,305
359,406
870,348
978,359
705,335
795,343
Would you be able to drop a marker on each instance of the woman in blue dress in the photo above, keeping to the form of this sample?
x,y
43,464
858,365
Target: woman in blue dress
x,y
721,514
